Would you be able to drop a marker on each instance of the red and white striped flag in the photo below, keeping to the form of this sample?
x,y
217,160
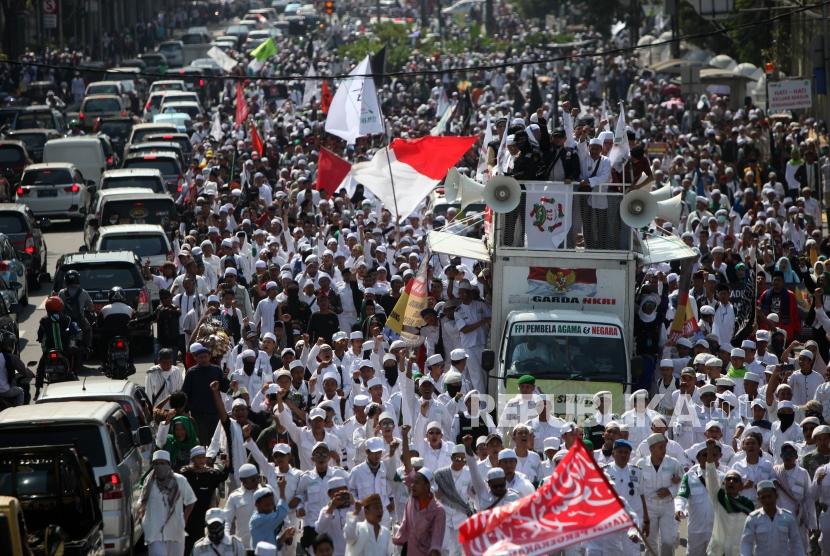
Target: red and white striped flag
x,y
576,504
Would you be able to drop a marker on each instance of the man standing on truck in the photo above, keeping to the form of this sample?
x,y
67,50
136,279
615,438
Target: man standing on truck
x,y
473,319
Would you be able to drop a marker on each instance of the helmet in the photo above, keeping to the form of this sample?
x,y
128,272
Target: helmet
x,y
54,304
8,341
117,294
72,278
74,123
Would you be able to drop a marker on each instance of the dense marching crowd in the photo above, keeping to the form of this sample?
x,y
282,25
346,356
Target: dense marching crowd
x,y
278,383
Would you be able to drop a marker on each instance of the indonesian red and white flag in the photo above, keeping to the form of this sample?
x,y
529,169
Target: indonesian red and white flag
x,y
413,166
332,172
575,505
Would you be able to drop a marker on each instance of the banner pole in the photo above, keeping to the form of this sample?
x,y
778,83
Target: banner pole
x,y
391,176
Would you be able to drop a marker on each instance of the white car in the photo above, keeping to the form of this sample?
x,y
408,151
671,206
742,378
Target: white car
x,y
55,189
147,241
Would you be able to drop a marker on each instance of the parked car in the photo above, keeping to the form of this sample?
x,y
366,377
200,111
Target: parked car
x,y
101,433
150,147
34,139
55,189
100,106
132,398
104,88
192,109
85,152
130,206
148,241
180,139
166,85
182,121
140,131
166,162
173,52
55,486
142,178
19,224
39,116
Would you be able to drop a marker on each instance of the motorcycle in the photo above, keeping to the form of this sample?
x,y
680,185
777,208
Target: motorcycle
x,y
117,364
54,367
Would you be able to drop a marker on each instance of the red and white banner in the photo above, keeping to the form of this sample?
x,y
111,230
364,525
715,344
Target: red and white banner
x,y
576,504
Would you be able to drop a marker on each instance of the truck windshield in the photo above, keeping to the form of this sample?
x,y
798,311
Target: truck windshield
x,y
566,350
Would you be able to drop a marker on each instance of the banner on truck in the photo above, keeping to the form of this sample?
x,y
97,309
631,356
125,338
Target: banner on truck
x,y
603,289
548,218
790,94
553,281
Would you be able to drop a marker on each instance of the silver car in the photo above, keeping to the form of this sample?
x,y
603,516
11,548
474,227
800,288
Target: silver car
x,y
55,189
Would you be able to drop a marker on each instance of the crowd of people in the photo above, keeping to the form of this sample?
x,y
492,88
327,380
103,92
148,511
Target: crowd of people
x,y
278,384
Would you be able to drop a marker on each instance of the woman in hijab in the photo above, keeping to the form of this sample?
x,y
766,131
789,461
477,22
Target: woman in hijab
x,y
790,277
178,441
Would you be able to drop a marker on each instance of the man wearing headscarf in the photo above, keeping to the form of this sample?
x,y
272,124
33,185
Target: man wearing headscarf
x,y
164,508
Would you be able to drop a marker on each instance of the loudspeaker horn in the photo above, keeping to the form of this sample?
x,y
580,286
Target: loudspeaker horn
x,y
671,209
451,184
638,208
662,193
502,194
470,191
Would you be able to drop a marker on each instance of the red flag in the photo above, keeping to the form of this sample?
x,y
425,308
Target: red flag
x,y
256,141
331,171
242,109
576,504
325,98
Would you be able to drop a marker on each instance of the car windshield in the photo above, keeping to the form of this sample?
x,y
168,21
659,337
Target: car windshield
x,y
566,350
86,438
102,90
141,245
116,130
104,275
102,105
169,48
146,211
35,119
191,111
10,155
32,140
12,223
132,181
166,166
46,177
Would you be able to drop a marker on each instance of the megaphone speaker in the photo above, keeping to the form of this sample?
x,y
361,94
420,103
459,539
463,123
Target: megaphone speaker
x,y
470,191
451,185
638,208
502,194
671,209
662,194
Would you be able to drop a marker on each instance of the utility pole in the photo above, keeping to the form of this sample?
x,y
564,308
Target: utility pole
x,y
424,18
675,29
489,19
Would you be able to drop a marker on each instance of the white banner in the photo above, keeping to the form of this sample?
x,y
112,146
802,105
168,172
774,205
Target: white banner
x,y
225,62
791,94
548,217
354,110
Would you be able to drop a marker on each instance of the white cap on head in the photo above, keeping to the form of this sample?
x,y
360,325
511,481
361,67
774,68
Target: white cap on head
x,y
262,492
247,470
434,360
374,444
551,443
458,354
215,515
161,455
806,353
507,453
495,473
737,352
265,549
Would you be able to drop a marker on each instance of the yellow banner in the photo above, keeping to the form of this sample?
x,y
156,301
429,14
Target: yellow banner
x,y
405,318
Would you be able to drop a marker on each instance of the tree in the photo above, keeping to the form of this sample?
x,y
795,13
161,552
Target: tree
x,y
13,14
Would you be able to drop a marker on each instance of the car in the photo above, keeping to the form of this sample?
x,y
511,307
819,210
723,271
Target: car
x,y
117,128
181,120
270,14
181,139
101,432
167,85
56,489
100,106
141,178
132,398
179,96
207,63
196,35
140,131
153,105
13,274
129,205
156,146
225,43
112,158
39,116
148,241
104,88
166,162
87,152
173,51
55,189
14,157
34,139
8,114
155,62
192,109
19,224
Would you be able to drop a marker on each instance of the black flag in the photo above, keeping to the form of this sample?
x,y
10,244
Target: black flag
x,y
378,64
518,99
309,50
554,104
745,302
535,96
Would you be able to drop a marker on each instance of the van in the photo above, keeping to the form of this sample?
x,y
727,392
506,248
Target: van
x,y
140,131
101,432
148,241
86,153
129,205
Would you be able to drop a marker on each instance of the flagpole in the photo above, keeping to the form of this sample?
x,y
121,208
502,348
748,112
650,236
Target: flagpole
x,y
391,174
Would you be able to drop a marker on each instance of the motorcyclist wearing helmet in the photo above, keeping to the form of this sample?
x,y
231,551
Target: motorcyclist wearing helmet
x,y
115,316
14,376
75,128
77,303
52,333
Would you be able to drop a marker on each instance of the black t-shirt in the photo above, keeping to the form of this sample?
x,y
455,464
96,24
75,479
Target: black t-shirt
x,y
197,387
323,326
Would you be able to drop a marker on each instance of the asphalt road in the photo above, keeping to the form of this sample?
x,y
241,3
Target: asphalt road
x,y
61,237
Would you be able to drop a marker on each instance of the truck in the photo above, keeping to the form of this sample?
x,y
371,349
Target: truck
x,y
561,313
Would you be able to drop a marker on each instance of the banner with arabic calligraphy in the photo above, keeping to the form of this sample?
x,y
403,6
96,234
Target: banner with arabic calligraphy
x,y
576,504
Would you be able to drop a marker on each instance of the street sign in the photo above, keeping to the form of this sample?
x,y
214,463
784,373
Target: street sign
x,y
790,94
50,14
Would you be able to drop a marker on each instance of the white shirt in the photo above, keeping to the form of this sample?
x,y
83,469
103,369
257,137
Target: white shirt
x,y
153,524
362,541
804,386
471,314
238,510
724,324
265,315
159,384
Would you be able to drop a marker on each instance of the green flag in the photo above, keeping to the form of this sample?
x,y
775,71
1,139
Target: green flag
x,y
264,50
